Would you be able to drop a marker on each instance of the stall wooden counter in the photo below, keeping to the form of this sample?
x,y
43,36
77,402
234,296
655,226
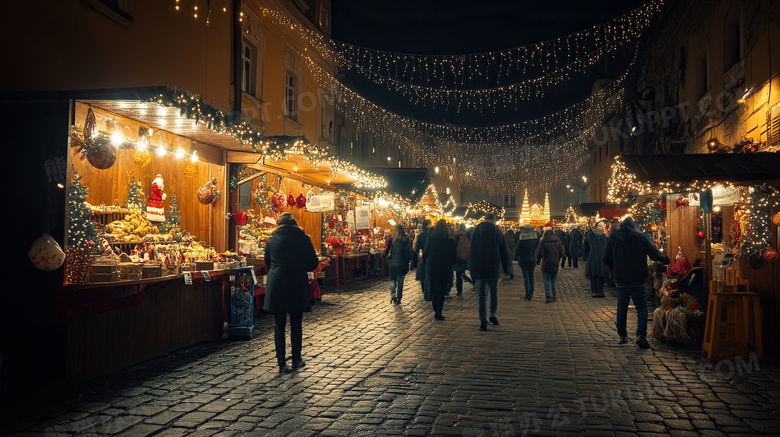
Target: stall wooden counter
x,y
113,325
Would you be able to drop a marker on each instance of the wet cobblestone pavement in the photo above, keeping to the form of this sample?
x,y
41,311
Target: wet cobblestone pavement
x,y
374,368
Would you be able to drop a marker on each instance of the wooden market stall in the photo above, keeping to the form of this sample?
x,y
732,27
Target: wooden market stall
x,y
730,225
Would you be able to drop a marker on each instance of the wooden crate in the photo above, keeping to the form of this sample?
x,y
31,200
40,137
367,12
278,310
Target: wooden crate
x,y
153,271
102,218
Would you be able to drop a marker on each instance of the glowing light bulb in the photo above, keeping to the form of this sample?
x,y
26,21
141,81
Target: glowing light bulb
x,y
160,151
116,139
140,145
179,153
194,157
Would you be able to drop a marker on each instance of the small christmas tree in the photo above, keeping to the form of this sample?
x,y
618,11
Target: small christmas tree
x,y
172,218
81,233
135,194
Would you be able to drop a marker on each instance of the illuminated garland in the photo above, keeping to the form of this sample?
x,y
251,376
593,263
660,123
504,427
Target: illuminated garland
x,y
487,208
758,205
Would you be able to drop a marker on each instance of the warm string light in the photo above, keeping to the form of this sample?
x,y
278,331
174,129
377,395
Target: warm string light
x,y
758,203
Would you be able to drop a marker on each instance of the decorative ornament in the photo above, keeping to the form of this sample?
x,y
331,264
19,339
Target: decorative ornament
x,y
190,169
290,200
240,218
654,227
155,211
101,155
142,158
686,202
700,234
776,218
208,193
300,201
769,254
46,254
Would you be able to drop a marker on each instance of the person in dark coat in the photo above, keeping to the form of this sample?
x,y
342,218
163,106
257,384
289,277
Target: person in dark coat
x,y
548,254
462,264
564,237
488,254
399,255
593,251
509,237
289,255
575,246
524,254
626,254
419,244
438,257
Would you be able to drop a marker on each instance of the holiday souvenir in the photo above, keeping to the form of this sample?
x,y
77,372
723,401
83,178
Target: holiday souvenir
x,y
155,212
46,254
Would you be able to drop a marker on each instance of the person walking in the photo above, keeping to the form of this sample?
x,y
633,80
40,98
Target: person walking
x,y
524,254
549,252
419,244
462,249
416,231
564,237
437,259
488,254
289,255
593,251
399,255
626,254
509,237
575,246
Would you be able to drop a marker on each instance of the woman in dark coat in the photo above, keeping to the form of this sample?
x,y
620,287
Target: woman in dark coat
x,y
289,256
593,250
524,254
461,265
438,257
399,250
419,244
548,254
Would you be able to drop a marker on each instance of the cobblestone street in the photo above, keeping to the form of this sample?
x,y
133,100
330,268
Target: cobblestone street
x,y
374,368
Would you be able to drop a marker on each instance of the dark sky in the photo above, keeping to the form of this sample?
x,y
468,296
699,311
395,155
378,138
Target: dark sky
x,y
460,27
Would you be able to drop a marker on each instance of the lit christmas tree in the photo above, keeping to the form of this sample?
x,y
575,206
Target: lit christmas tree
x,y
172,217
135,194
81,233
759,202
525,211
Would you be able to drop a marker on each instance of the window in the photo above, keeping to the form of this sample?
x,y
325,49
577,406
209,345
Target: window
x,y
509,200
248,68
291,96
732,38
773,121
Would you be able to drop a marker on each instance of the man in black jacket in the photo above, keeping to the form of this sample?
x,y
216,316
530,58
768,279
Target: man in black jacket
x,y
626,254
488,254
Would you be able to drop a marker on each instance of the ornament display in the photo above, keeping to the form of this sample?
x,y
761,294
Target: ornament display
x,y
240,217
46,254
190,169
155,211
300,201
290,200
101,155
769,254
654,228
142,158
776,219
208,193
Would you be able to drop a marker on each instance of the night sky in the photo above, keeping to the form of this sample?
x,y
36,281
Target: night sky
x,y
460,27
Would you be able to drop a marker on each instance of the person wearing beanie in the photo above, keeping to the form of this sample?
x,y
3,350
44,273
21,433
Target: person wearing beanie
x,y
626,255
289,255
488,254
524,255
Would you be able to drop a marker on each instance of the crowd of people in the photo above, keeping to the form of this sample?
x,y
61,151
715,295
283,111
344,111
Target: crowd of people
x,y
444,256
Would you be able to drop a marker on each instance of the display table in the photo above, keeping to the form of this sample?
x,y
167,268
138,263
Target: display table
x,y
348,264
113,325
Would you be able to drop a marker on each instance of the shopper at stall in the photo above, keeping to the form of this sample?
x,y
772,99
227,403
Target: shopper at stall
x,y
289,255
524,254
488,254
575,246
462,248
549,253
626,254
419,244
593,251
438,257
399,254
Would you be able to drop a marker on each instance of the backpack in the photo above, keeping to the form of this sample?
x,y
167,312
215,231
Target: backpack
x,y
464,247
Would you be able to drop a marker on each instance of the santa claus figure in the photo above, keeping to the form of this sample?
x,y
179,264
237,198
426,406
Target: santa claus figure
x,y
154,208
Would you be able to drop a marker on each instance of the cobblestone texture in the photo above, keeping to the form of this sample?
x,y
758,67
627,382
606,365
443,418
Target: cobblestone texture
x,y
374,368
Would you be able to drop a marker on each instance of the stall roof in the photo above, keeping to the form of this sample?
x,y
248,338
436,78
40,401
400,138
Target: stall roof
x,y
460,211
726,167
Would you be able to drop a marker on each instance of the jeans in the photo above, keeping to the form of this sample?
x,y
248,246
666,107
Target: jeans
x,y
397,282
482,294
597,285
550,284
639,296
296,336
528,278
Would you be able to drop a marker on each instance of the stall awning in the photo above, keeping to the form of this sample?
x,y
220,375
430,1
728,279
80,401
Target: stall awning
x,y
718,167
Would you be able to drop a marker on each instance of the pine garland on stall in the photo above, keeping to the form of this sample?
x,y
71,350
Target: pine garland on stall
x,y
172,217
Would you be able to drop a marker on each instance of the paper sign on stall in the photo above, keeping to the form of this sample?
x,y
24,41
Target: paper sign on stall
x,y
362,220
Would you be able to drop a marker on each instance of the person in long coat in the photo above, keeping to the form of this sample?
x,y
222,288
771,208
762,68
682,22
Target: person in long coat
x,y
524,254
549,254
593,251
488,255
461,265
419,244
399,255
575,246
509,237
438,257
289,255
